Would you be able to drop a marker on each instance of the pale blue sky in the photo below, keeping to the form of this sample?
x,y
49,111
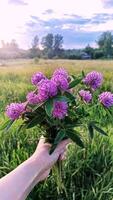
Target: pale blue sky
x,y
79,21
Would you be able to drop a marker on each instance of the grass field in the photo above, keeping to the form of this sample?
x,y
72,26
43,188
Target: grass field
x,y
88,174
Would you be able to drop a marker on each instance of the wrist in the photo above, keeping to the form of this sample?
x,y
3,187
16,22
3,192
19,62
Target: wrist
x,y
36,164
32,171
37,167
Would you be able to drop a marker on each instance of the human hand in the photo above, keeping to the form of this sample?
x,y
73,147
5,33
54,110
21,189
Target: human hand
x,y
23,179
45,160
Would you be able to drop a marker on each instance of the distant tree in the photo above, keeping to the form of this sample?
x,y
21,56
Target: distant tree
x,y
47,41
74,54
10,45
89,50
105,43
35,42
47,44
35,51
57,46
98,54
13,45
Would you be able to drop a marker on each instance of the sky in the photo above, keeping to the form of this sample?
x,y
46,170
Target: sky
x,y
80,22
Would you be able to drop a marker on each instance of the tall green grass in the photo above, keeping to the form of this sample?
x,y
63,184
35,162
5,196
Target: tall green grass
x,y
88,173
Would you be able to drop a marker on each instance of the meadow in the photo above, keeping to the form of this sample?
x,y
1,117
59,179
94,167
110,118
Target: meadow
x,y
88,173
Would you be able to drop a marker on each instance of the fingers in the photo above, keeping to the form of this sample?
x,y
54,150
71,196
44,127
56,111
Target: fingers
x,y
63,156
62,146
42,142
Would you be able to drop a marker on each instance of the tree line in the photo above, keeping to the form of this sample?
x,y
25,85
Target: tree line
x,y
52,47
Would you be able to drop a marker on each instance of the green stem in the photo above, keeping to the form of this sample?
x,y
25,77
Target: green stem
x,y
57,171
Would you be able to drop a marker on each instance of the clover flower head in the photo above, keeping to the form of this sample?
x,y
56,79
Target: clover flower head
x,y
15,110
85,95
60,109
93,79
32,98
52,89
46,88
61,82
61,71
106,98
36,78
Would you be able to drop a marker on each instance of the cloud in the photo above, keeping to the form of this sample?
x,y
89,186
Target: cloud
x,y
73,29
17,2
107,3
101,18
54,22
48,11
71,22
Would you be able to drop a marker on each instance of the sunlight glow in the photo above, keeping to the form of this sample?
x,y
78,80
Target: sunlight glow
x,y
15,16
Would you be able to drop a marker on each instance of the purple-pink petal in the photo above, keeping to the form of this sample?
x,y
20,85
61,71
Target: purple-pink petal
x,y
93,79
62,72
60,109
85,95
32,98
36,78
61,82
47,88
106,98
15,110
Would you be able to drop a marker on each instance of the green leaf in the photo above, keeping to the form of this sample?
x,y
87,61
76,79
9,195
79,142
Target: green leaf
x,y
70,96
60,136
35,121
49,107
72,113
74,83
91,130
29,115
36,107
70,126
99,130
50,121
22,126
2,127
73,76
73,135
9,125
104,112
61,98
83,73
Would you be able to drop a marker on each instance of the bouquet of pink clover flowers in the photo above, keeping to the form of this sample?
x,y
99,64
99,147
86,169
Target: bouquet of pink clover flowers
x,y
55,107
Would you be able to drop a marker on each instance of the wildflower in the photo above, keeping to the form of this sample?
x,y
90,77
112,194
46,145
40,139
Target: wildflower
x,y
60,109
36,78
62,72
85,95
93,79
32,98
106,98
61,82
52,89
46,88
15,110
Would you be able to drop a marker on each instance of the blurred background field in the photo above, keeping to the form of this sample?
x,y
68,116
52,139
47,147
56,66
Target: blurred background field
x,y
88,173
